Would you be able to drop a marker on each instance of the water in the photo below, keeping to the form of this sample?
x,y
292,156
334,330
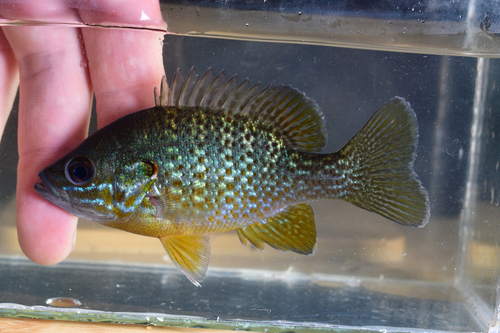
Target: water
x,y
368,273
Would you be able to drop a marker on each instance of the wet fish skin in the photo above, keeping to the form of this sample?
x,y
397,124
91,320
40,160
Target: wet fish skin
x,y
215,156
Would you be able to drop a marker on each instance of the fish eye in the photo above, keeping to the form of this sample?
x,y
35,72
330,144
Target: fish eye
x,y
79,171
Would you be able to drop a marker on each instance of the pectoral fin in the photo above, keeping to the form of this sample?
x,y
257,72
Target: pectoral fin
x,y
293,229
179,202
190,253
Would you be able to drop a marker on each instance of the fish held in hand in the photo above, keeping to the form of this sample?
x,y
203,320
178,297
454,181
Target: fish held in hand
x,y
214,156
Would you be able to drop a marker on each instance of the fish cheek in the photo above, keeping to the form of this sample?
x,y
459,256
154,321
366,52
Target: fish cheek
x,y
132,183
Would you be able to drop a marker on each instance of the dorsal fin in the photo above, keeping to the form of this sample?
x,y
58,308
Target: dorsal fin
x,y
294,117
161,98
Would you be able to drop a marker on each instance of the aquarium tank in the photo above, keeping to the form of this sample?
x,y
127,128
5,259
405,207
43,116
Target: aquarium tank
x,y
367,273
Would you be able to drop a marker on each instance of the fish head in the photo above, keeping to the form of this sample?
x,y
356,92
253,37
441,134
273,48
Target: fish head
x,y
98,188
80,183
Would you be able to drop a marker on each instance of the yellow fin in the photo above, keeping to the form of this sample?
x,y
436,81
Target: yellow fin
x,y
190,253
285,110
293,229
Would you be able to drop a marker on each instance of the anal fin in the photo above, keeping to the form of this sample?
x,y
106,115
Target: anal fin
x,y
190,253
292,229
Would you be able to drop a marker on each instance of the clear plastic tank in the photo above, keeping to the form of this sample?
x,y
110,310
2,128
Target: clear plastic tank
x,y
368,273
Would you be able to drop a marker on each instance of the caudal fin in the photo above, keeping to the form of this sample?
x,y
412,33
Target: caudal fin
x,y
384,181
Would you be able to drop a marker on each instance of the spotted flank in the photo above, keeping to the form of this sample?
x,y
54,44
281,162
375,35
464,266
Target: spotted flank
x,y
216,155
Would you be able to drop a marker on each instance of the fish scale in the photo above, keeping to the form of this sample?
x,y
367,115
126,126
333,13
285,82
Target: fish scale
x,y
215,156
220,172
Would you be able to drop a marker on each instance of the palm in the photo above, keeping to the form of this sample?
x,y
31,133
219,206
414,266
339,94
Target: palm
x,y
59,68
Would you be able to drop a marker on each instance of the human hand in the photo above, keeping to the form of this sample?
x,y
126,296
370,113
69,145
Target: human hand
x,y
58,68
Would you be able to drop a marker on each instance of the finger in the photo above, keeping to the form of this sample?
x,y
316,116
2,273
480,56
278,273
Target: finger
x,y
54,11
54,108
125,84
131,13
125,65
9,80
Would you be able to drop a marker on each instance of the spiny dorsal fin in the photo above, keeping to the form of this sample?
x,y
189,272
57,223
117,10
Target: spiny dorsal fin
x,y
292,229
296,118
190,253
384,152
161,98
175,88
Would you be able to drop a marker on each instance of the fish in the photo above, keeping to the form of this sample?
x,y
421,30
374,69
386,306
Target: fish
x,y
215,155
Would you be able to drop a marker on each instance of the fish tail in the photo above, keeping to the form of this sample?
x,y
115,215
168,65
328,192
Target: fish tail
x,y
383,179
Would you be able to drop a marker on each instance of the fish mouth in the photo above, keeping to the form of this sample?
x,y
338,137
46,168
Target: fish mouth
x,y
46,189
62,200
50,193
56,197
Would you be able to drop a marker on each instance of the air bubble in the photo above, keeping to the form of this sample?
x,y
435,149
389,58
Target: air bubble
x,y
63,302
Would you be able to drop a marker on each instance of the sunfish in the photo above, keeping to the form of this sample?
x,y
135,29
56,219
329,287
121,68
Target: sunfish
x,y
214,156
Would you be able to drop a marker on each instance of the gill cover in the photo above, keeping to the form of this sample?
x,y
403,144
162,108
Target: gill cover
x,y
132,182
